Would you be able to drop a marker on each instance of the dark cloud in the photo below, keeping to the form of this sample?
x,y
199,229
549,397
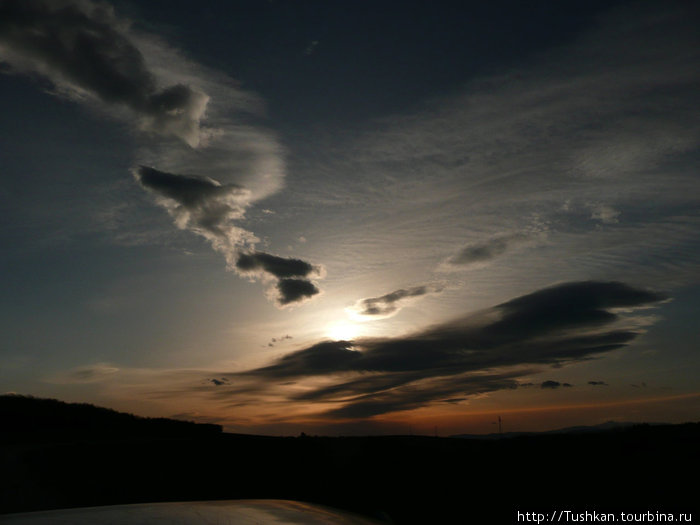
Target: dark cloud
x,y
322,358
208,208
276,340
190,191
389,304
554,326
409,397
598,383
83,47
279,267
288,275
90,54
202,205
486,250
295,291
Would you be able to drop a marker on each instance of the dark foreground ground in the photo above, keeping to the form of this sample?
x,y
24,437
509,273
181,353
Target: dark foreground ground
x,y
49,460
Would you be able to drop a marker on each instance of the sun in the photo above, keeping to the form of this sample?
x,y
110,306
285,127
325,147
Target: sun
x,y
341,331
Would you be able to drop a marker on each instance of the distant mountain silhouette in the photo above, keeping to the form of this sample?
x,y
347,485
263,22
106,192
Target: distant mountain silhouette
x,y
39,420
581,429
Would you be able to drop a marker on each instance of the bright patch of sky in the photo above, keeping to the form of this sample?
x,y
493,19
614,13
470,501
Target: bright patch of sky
x,y
201,199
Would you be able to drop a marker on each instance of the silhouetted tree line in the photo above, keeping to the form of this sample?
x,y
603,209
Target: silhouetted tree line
x,y
33,419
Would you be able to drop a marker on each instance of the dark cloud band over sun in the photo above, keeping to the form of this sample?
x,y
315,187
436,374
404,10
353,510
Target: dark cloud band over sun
x,y
481,352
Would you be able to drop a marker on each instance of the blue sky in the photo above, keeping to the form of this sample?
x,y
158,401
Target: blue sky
x,y
375,193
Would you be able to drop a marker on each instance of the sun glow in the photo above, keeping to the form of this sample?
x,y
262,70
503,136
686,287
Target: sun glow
x,y
342,331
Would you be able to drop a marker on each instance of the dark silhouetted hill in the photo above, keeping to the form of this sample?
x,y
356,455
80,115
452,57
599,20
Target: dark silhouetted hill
x,y
33,419
582,429
406,479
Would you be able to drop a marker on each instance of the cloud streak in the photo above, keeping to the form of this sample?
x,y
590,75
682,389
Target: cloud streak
x,y
487,250
389,304
553,385
481,352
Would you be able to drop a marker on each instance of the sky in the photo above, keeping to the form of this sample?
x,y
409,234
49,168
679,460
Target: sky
x,y
353,217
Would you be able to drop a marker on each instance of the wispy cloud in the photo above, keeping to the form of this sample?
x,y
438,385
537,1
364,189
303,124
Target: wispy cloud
x,y
390,304
605,214
85,51
569,147
86,374
483,251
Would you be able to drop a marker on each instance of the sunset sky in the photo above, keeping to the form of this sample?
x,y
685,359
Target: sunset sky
x,y
353,217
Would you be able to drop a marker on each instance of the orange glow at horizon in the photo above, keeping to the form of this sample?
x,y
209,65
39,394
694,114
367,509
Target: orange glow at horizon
x,y
456,420
536,418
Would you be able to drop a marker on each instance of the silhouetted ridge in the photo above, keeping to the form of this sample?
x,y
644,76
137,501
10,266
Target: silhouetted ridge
x,y
34,419
608,426
59,455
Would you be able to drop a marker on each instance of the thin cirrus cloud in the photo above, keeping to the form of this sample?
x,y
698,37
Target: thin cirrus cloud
x,y
202,157
96,373
607,122
484,251
390,304
482,352
605,214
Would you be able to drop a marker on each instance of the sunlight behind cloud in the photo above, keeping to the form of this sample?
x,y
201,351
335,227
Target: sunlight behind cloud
x,y
342,331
